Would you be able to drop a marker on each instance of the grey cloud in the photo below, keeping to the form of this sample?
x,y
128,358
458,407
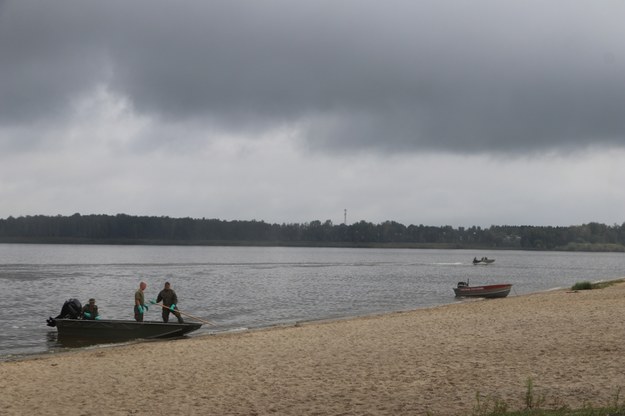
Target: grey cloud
x,y
397,76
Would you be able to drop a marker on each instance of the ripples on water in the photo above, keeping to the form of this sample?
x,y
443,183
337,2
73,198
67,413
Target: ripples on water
x,y
247,287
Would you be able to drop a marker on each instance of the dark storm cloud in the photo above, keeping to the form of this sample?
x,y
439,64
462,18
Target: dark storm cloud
x,y
46,58
390,76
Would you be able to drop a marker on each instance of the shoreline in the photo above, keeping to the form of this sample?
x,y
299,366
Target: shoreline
x,y
300,323
435,359
569,248
70,350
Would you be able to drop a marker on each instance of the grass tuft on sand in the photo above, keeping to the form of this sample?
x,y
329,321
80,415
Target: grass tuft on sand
x,y
534,406
586,285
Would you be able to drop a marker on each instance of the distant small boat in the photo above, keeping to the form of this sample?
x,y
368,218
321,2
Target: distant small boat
x,y
489,291
483,260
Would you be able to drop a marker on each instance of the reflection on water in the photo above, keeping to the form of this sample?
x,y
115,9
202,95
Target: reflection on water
x,y
52,339
250,287
56,343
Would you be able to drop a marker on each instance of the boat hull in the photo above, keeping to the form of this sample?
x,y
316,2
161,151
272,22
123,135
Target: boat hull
x,y
121,330
488,291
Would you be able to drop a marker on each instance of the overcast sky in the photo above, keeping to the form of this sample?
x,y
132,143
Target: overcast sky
x,y
423,112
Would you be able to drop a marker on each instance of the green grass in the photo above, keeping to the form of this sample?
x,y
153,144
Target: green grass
x,y
534,406
599,285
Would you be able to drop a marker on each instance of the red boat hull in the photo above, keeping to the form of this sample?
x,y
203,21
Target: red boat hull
x,y
488,291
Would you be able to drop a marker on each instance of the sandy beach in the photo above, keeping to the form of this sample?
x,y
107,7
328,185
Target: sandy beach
x,y
571,345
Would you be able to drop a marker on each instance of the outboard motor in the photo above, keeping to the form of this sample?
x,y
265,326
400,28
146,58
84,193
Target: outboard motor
x,y
71,310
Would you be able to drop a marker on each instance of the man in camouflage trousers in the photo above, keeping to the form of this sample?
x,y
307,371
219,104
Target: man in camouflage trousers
x,y
169,298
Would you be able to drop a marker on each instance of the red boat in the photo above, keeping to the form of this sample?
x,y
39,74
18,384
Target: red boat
x,y
488,291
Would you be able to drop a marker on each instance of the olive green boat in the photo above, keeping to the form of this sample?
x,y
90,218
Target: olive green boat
x,y
111,330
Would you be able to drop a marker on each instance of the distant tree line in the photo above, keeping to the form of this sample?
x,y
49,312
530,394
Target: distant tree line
x,y
127,229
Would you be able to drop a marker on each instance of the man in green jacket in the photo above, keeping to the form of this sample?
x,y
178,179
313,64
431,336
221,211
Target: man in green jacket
x,y
90,311
140,305
169,298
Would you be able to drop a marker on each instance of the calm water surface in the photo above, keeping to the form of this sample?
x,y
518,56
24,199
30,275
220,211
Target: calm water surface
x,y
251,287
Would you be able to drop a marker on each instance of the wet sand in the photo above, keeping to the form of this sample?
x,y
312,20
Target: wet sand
x,y
571,345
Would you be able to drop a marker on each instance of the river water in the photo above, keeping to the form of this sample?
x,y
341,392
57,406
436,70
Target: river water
x,y
253,287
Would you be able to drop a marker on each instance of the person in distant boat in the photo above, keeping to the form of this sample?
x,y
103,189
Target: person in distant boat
x,y
140,306
170,299
90,310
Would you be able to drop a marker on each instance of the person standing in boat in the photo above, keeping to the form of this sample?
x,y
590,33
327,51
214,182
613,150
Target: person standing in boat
x,y
140,306
90,310
170,299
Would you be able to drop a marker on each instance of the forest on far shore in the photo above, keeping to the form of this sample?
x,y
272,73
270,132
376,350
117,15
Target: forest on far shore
x,y
127,229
